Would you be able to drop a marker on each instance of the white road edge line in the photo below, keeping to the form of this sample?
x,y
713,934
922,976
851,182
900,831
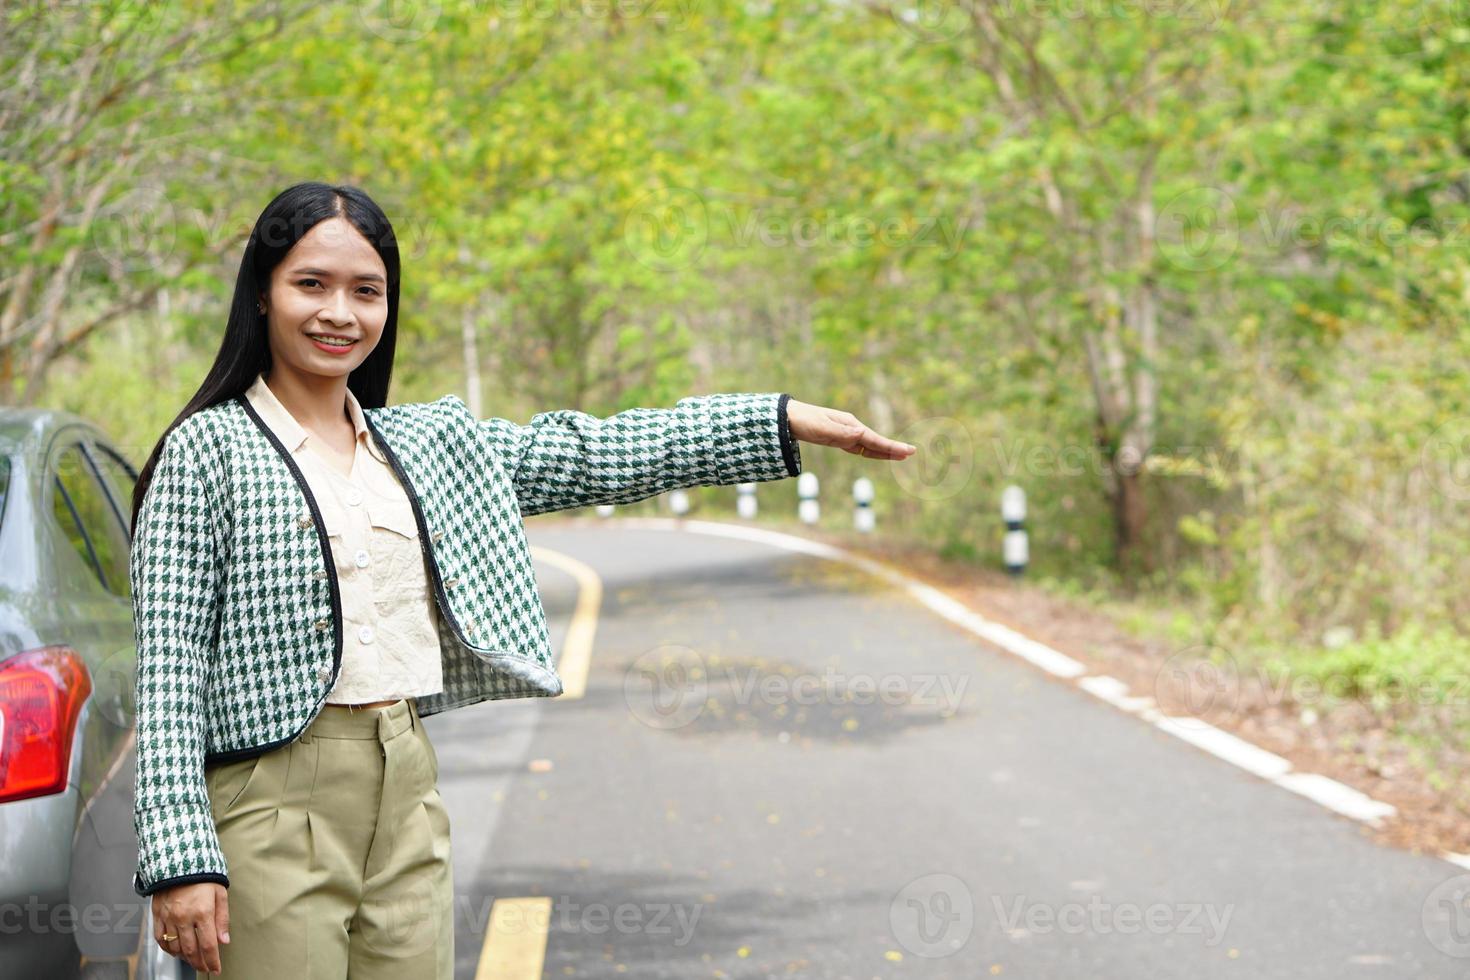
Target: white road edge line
x,y
1330,793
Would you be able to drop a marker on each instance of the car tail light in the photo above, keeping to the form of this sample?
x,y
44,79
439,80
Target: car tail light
x,y
41,696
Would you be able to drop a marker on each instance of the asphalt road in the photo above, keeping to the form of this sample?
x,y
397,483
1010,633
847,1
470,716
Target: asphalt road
x,y
782,768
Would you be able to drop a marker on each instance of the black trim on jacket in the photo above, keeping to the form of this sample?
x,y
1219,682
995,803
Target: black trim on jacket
x,y
787,452
193,879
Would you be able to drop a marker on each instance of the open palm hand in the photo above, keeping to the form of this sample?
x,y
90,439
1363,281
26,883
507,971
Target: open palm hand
x,y
833,427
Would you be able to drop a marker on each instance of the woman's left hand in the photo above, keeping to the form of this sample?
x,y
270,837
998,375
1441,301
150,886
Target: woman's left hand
x,y
830,427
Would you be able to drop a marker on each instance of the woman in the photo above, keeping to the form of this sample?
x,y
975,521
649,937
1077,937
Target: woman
x,y
315,571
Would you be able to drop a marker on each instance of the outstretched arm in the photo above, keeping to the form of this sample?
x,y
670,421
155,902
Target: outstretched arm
x,y
567,458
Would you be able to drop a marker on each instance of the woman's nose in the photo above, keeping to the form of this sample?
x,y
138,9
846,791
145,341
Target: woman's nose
x,y
338,310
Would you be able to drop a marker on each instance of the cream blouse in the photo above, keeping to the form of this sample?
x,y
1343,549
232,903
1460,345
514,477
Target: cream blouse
x,y
390,645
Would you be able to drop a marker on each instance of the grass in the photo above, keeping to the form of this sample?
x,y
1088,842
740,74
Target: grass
x,y
1415,666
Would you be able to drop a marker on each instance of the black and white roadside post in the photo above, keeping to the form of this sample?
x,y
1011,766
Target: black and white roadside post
x,y
806,488
1013,512
745,500
862,499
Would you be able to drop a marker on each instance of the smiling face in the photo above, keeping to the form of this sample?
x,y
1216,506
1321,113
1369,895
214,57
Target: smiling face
x,y
331,284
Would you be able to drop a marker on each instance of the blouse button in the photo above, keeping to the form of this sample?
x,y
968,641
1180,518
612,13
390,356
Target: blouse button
x,y
361,559
354,497
365,634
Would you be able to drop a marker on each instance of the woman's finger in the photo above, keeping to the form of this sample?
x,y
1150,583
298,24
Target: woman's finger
x,y
172,946
222,914
871,445
208,946
189,946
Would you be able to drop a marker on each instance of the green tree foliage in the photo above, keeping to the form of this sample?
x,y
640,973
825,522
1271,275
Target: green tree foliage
x,y
1194,275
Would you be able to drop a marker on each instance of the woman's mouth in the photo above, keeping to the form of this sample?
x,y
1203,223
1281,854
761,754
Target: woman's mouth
x,y
331,344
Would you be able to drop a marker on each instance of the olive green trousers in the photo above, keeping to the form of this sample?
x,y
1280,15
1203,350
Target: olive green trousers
x,y
337,846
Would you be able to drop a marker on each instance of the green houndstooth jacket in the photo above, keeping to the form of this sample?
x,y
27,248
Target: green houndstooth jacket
x,y
236,607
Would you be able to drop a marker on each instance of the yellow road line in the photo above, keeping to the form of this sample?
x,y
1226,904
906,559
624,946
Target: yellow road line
x,y
515,948
576,652
515,945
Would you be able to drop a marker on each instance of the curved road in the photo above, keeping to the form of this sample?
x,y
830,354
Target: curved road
x,y
781,767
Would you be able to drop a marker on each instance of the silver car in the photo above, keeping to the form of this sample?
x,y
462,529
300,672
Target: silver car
x,y
67,657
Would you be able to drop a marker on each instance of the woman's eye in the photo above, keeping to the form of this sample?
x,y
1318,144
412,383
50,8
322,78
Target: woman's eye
x,y
310,281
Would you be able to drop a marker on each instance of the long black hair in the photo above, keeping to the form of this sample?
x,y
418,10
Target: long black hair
x,y
245,350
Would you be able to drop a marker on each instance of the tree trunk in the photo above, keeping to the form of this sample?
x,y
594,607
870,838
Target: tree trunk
x,y
1129,518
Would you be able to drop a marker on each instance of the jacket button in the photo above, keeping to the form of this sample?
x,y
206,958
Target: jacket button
x,y
319,573
450,583
437,536
304,520
322,625
324,673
